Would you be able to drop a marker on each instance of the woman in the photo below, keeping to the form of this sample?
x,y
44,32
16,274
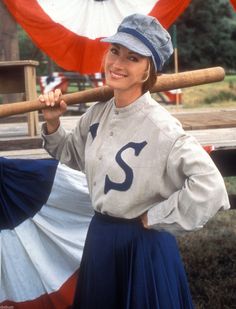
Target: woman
x,y
147,179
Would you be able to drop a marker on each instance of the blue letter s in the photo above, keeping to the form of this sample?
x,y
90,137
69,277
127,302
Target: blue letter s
x,y
126,184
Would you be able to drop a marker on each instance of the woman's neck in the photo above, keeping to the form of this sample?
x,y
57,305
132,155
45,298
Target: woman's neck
x,y
123,98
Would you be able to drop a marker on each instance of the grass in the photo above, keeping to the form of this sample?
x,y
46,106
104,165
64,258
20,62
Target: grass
x,y
209,256
215,95
230,183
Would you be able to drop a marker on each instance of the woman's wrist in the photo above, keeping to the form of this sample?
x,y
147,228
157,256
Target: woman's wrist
x,y
52,126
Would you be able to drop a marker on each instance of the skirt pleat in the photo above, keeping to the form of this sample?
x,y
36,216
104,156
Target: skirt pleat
x,y
126,266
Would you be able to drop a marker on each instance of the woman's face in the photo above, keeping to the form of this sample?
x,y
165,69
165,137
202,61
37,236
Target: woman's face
x,y
125,70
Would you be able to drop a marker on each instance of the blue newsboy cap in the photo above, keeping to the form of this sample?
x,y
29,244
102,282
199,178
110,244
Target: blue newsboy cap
x,y
144,35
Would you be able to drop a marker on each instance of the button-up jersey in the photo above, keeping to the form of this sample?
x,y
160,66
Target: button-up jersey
x,y
139,159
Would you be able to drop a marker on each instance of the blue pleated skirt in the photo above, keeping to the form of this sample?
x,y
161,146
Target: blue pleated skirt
x,y
126,266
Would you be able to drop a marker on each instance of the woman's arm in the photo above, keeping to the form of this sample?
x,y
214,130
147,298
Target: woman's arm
x,y
200,189
67,147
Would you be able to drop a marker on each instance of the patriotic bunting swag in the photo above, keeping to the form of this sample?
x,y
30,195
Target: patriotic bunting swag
x,y
45,211
70,31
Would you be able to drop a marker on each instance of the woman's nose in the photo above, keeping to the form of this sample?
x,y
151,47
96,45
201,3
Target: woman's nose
x,y
119,62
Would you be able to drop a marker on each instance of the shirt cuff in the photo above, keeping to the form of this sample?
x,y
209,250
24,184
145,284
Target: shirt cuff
x,y
53,138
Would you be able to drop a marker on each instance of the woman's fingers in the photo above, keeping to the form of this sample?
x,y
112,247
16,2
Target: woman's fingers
x,y
57,106
51,97
144,220
41,98
63,106
57,94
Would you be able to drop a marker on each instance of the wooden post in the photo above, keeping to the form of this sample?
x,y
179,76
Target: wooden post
x,y
20,77
31,94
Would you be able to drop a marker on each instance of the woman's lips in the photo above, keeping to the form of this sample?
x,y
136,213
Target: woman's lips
x,y
117,75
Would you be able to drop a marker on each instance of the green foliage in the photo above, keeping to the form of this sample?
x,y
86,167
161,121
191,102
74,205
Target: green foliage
x,y
27,49
221,96
207,35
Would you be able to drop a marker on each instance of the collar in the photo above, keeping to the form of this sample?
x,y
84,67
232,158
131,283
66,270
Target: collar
x,y
132,108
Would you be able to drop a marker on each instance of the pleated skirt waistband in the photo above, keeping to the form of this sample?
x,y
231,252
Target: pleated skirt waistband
x,y
112,219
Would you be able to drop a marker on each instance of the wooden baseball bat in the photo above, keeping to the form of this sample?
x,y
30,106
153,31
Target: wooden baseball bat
x,y
164,82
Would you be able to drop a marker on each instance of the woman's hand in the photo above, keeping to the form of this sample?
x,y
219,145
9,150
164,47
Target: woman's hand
x,y
56,108
144,220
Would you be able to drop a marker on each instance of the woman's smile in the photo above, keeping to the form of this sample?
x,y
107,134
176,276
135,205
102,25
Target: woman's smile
x,y
117,75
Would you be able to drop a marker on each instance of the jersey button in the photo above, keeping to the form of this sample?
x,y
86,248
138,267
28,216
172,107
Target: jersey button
x,y
111,133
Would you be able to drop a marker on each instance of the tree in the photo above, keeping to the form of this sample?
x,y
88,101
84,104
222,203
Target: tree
x,y
9,48
206,35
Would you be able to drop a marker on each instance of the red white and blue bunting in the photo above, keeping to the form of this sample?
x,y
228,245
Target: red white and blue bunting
x,y
70,31
45,212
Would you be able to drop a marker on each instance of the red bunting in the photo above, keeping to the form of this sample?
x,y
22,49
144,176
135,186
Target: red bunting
x,y
69,50
233,2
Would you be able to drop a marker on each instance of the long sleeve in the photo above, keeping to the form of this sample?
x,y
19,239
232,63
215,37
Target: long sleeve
x,y
199,189
68,147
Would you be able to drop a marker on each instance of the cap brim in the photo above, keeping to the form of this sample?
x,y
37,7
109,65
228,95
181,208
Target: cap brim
x,y
130,42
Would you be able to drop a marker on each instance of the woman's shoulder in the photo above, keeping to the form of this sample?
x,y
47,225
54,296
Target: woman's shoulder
x,y
96,110
100,107
163,121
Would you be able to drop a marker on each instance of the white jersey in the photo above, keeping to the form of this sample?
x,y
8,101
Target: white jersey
x,y
139,159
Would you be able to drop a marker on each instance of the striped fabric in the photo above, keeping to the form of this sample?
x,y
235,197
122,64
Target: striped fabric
x,y
45,211
70,31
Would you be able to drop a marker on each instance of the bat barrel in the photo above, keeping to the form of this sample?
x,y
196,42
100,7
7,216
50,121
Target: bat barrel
x,y
188,79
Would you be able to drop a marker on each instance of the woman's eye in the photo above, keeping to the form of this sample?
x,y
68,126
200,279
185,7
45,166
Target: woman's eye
x,y
113,51
133,58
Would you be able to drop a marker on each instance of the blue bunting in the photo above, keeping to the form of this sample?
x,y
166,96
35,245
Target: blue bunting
x,y
25,185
